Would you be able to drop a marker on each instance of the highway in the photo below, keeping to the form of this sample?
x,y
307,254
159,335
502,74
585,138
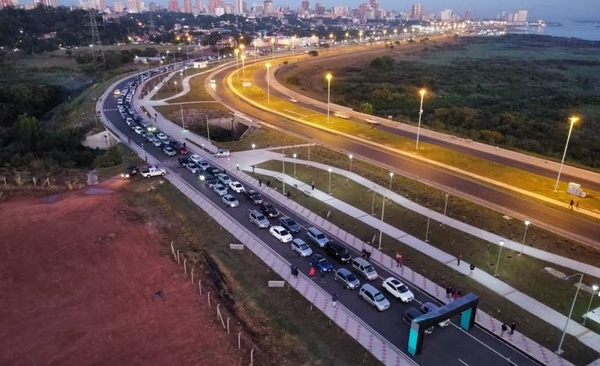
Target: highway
x,y
448,346
548,217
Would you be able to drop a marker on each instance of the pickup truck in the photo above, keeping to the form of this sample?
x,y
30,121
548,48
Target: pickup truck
x,y
152,171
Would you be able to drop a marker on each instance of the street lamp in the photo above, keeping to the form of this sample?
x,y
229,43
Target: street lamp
x,y
329,170
243,57
330,39
498,261
347,35
350,156
595,288
268,65
207,129
295,156
293,39
176,88
360,34
383,211
237,63
272,48
562,162
328,77
562,338
422,92
391,177
524,234
253,146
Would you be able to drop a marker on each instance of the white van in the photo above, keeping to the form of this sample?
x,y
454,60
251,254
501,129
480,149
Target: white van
x,y
222,154
364,268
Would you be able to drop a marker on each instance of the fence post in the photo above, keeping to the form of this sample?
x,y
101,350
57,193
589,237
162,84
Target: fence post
x,y
200,287
185,265
192,275
252,357
173,251
227,325
178,262
208,298
240,340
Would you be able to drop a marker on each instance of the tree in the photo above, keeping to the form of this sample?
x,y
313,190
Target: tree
x,y
29,131
366,107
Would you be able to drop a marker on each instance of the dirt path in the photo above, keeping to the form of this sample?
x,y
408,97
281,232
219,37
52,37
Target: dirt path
x,y
79,276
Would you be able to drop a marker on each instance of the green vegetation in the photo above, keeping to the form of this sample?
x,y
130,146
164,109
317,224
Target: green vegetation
x,y
515,91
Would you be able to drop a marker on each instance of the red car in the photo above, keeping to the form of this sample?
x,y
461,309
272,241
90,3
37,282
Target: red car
x,y
182,150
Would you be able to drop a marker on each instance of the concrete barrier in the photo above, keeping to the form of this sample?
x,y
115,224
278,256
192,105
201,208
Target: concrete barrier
x,y
276,283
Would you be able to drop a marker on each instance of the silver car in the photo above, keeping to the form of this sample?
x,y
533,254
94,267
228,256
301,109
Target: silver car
x,y
259,219
347,278
300,247
372,295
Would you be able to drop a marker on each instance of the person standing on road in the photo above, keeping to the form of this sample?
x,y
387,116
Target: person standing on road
x,y
312,272
513,326
259,182
334,300
322,276
313,185
571,204
458,260
449,291
472,268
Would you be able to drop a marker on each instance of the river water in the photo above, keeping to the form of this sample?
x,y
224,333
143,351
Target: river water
x,y
588,31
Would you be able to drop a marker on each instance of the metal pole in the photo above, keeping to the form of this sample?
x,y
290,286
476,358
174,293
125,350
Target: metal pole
x,y
381,223
446,204
283,171
329,192
268,83
524,234
373,204
295,164
562,162
350,156
595,288
562,338
391,177
207,129
498,261
422,92
427,231
328,76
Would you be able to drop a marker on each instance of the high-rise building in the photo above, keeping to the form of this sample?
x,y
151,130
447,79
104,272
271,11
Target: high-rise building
x,y
468,15
522,16
118,6
52,3
446,15
199,7
187,6
417,10
133,6
268,7
239,7
174,5
319,9
152,7
305,5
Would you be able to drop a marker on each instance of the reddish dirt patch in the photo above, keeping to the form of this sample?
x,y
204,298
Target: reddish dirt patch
x,y
78,282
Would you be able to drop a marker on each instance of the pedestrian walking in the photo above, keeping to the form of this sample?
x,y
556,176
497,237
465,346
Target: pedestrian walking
x,y
455,294
313,185
577,204
458,260
571,204
269,183
312,272
259,181
398,260
504,329
322,276
363,253
294,271
368,254
449,291
513,326
334,299
472,268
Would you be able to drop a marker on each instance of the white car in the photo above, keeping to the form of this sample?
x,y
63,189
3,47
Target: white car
x,y
280,234
156,142
237,187
222,154
398,289
224,178
220,189
299,246
230,201
192,167
138,130
162,136
169,151
196,158
203,164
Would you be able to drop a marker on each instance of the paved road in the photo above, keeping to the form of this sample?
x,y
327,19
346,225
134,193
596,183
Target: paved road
x,y
449,346
548,217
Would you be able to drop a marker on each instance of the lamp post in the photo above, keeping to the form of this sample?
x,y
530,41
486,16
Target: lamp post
x,y
330,39
562,162
176,88
350,156
498,261
207,129
243,57
295,156
283,174
272,48
524,234
562,338
237,62
268,65
360,34
422,92
328,77
293,39
347,35
595,288
373,203
253,146
383,211
329,190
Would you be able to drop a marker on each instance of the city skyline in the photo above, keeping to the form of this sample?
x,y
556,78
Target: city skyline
x,y
549,10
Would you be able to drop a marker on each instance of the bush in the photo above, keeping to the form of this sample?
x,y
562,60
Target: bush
x,y
111,158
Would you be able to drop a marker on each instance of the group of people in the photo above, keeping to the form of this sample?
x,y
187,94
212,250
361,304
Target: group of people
x,y
512,326
453,293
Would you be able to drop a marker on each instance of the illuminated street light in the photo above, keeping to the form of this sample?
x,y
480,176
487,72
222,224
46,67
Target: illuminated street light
x,y
272,48
295,156
562,338
498,261
383,210
329,191
328,76
524,234
243,57
237,66
422,92
350,156
562,162
268,65
253,146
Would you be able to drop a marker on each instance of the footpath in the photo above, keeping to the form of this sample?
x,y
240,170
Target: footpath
x,y
248,159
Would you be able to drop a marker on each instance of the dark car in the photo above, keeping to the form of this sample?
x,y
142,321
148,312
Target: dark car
x,y
132,170
254,196
412,313
209,180
320,262
212,170
338,252
183,161
268,210
289,224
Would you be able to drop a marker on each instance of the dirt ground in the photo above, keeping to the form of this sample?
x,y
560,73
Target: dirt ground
x,y
79,277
